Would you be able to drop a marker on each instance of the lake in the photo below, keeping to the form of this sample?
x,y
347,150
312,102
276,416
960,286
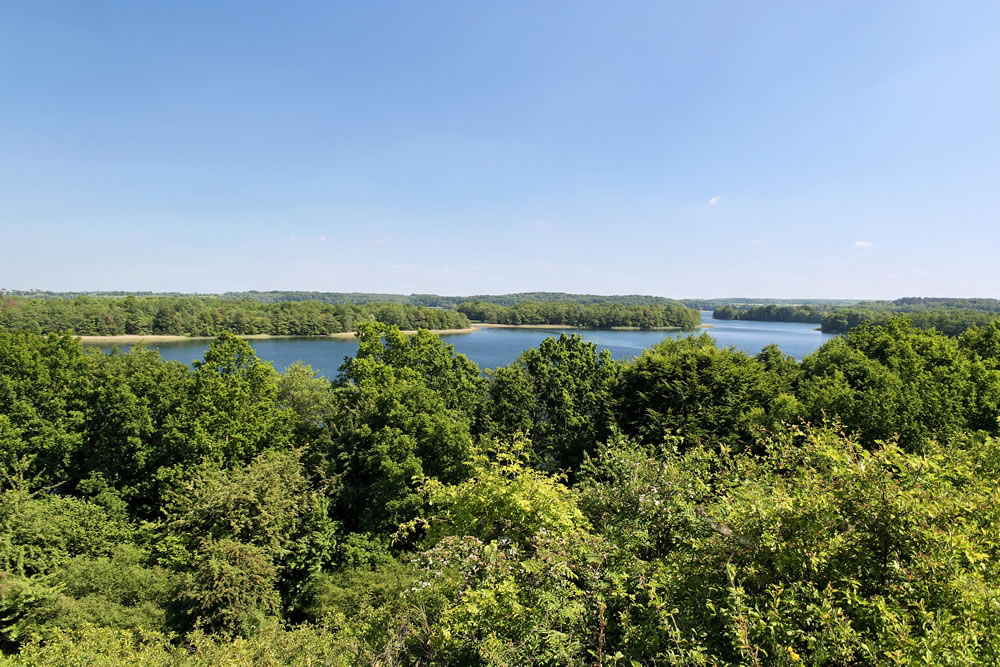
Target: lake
x,y
492,347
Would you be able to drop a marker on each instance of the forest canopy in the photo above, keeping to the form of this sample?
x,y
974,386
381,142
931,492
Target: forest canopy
x,y
771,313
949,316
694,505
207,316
597,316
361,298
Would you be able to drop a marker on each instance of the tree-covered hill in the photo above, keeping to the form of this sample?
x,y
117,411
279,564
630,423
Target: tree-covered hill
x,y
772,313
596,316
950,316
362,298
207,316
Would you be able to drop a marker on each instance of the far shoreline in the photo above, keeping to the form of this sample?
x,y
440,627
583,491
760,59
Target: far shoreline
x,y
135,339
130,339
487,325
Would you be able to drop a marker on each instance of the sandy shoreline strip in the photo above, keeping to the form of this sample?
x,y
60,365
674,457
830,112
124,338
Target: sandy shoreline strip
x,y
152,339
570,326
486,325
157,338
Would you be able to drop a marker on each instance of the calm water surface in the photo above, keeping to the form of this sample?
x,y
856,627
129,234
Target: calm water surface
x,y
492,347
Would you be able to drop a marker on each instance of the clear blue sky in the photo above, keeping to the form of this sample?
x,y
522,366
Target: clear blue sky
x,y
686,149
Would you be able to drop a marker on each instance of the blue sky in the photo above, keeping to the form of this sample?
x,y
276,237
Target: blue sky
x,y
684,149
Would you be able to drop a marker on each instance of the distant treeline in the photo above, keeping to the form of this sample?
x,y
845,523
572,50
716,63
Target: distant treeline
x,y
208,316
746,302
949,316
361,298
915,303
772,313
598,315
438,301
949,321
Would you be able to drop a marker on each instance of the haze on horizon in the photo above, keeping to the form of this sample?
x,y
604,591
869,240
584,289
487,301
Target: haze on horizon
x,y
787,150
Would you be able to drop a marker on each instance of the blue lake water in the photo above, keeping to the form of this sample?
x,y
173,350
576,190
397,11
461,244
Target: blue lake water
x,y
492,347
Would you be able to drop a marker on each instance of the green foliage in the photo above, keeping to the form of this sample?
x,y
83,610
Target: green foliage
x,y
267,506
949,321
343,592
207,316
502,501
516,566
233,587
118,592
231,412
416,512
309,399
559,395
132,398
270,645
507,607
688,386
455,379
818,550
362,298
40,532
393,426
44,393
893,381
949,316
265,503
771,313
595,315
642,499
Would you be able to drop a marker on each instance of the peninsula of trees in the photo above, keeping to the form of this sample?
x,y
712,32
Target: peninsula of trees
x,y
949,316
694,505
595,316
209,316
771,313
361,298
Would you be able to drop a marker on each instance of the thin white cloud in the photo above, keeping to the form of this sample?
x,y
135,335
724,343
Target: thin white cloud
x,y
405,268
864,244
322,238
714,201
756,242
